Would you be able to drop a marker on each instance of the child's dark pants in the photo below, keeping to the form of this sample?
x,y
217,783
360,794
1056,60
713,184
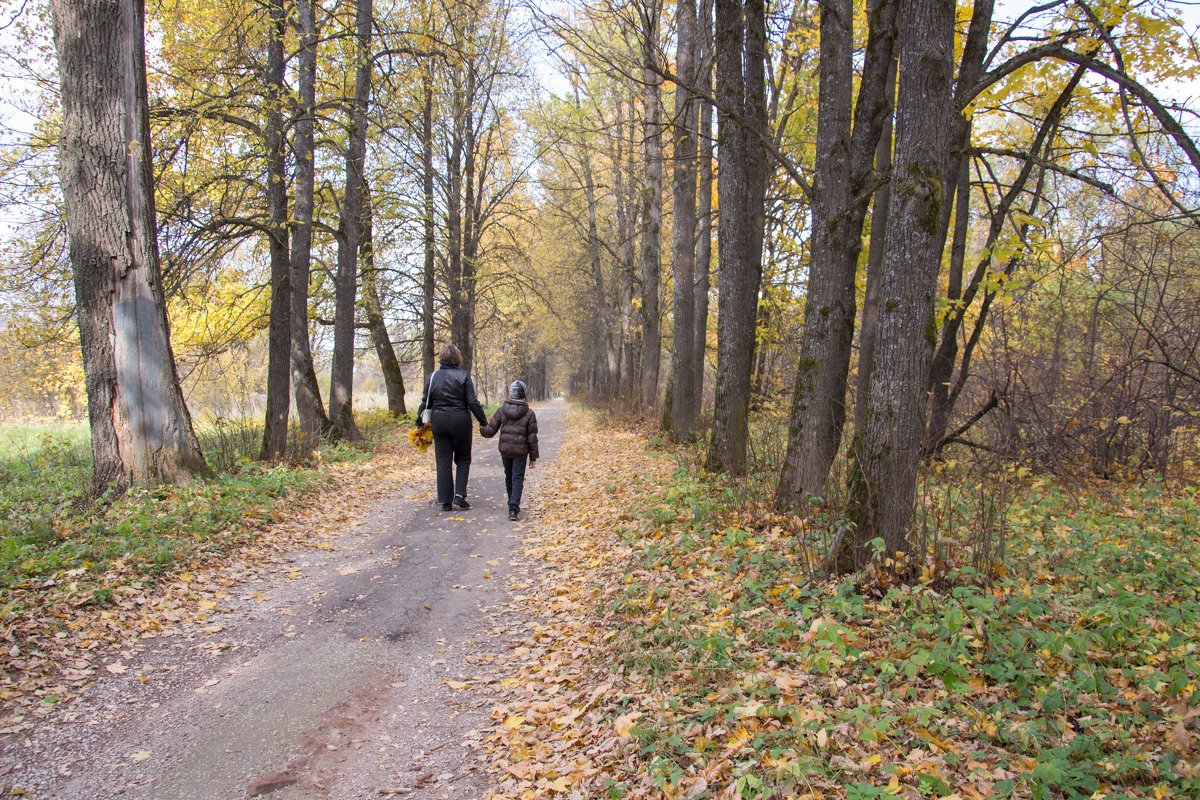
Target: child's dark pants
x,y
514,480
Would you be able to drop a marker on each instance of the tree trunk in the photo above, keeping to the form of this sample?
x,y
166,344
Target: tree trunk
x,y
741,124
703,211
970,68
428,284
341,391
888,448
309,406
626,224
140,427
879,224
841,193
389,365
275,429
454,219
598,357
652,191
465,333
683,262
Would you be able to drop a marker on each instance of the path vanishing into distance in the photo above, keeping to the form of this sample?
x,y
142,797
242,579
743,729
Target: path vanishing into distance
x,y
330,679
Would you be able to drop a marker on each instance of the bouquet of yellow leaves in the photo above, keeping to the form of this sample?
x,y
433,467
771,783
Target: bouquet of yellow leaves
x,y
421,437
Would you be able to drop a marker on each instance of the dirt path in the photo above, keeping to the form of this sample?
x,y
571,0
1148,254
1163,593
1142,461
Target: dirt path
x,y
330,679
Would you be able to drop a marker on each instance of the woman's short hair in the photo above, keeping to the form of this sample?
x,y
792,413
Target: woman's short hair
x,y
450,355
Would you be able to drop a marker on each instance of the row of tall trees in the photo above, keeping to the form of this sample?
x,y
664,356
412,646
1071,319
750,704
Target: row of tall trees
x,y
873,252
863,201
287,131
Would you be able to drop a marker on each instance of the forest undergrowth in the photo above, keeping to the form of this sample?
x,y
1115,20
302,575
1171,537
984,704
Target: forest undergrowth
x,y
680,647
85,581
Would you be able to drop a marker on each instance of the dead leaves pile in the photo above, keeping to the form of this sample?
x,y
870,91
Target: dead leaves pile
x,y
55,642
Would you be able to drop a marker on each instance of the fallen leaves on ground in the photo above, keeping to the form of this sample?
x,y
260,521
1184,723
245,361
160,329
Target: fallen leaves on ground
x,y
676,648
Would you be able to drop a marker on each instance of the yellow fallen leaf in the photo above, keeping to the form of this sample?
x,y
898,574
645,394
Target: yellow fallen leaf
x,y
513,721
458,685
625,722
560,784
140,755
738,738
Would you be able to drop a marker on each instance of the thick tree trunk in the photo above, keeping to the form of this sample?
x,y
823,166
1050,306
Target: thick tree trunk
x,y
879,224
683,260
741,191
140,427
970,68
888,448
428,284
841,193
389,365
652,192
703,210
275,429
817,405
341,392
314,423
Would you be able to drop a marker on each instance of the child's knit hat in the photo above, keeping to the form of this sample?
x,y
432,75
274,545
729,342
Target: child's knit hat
x,y
517,390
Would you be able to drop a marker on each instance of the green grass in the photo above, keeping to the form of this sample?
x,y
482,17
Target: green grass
x,y
18,441
50,524
1065,678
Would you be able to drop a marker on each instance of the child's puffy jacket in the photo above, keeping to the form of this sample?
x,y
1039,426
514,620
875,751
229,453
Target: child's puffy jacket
x,y
517,426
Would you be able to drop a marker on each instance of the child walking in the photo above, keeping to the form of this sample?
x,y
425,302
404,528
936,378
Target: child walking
x,y
517,425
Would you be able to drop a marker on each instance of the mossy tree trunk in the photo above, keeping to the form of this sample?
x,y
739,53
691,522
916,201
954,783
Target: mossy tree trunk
x,y
887,450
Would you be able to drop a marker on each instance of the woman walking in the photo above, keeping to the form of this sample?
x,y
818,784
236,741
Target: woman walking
x,y
450,398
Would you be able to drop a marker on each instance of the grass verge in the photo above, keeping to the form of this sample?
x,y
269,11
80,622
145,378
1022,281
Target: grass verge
x,y
49,524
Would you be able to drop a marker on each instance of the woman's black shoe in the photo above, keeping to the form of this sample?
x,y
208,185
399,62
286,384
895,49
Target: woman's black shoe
x,y
461,502
447,507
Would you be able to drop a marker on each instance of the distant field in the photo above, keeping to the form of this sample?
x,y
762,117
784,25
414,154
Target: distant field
x,y
24,440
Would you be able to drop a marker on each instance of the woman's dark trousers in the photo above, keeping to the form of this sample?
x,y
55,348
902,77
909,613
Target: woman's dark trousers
x,y
514,480
452,442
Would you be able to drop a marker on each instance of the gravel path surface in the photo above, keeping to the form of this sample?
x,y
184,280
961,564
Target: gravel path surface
x,y
339,676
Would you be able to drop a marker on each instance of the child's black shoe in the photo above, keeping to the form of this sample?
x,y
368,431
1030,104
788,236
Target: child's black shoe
x,y
512,516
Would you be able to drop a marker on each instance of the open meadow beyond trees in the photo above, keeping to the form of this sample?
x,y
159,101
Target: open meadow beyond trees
x,y
650,399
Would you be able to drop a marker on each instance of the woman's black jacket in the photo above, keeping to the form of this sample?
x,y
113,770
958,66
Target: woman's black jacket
x,y
451,389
